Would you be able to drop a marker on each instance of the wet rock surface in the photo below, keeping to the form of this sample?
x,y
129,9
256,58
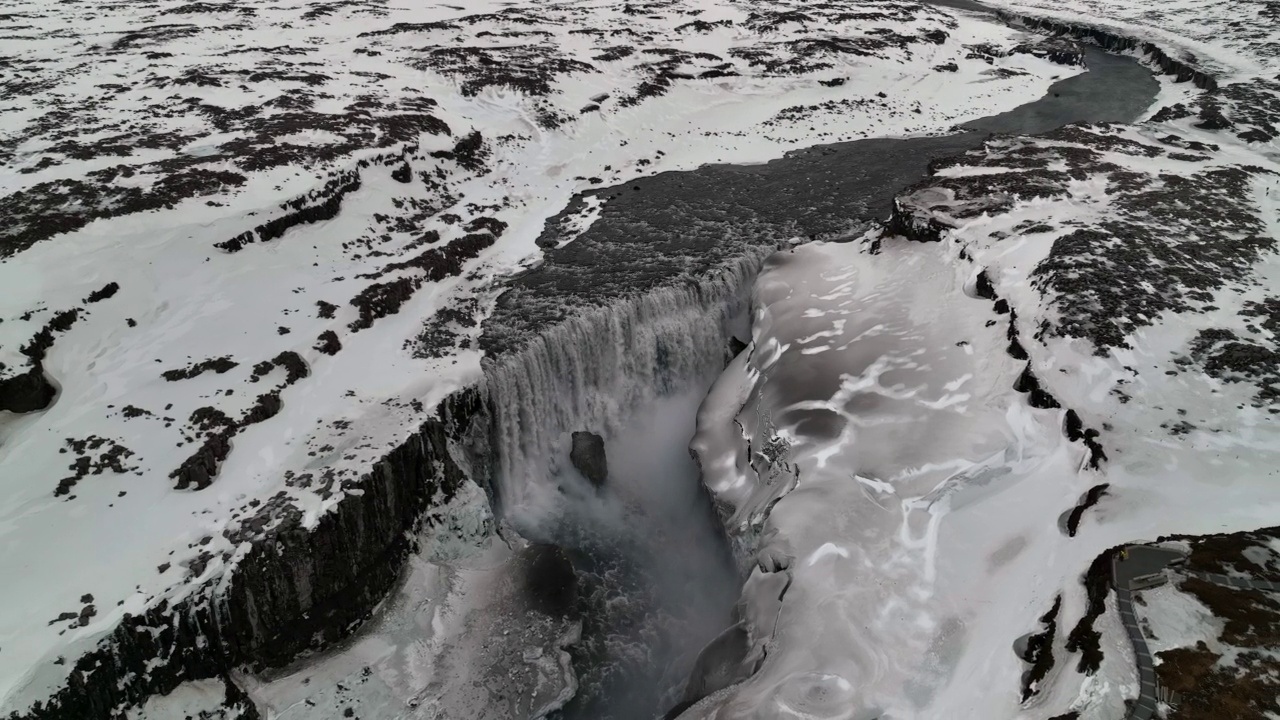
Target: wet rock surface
x,y
587,455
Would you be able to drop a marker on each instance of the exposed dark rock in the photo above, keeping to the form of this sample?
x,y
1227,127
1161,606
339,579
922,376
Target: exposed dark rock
x,y
1233,359
328,343
295,367
1089,499
1107,40
588,457
301,211
108,291
1037,397
94,455
26,392
30,391
382,299
1224,553
1083,638
470,152
1184,235
218,365
1040,651
198,470
295,590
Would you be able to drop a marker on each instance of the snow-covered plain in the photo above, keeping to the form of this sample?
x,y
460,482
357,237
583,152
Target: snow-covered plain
x,y
268,202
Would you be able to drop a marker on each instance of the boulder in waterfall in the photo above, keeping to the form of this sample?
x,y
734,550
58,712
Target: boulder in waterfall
x,y
588,457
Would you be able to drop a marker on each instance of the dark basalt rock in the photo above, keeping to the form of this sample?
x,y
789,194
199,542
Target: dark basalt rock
x,y
1062,52
301,212
1234,359
198,470
108,291
1075,430
217,365
27,392
1039,651
1083,638
588,457
296,589
1090,499
1037,397
1107,40
983,288
328,343
30,391
382,299
909,222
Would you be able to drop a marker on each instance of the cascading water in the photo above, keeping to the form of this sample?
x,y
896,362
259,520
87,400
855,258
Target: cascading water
x,y
594,369
658,579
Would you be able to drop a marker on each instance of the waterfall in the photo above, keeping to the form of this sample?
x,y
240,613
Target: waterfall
x,y
589,371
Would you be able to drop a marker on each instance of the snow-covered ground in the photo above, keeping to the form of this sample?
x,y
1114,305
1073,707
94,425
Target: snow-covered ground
x,y
908,447
1238,37
227,226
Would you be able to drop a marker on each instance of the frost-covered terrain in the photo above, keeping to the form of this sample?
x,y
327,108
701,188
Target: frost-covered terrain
x,y
256,380
247,246
1057,345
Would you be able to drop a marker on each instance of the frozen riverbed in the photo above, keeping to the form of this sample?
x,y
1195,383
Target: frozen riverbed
x,y
872,450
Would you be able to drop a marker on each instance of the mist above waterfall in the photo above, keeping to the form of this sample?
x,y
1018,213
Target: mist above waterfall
x,y
658,581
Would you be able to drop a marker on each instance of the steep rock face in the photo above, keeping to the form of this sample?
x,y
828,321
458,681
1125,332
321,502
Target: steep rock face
x,y
1116,43
297,589
309,587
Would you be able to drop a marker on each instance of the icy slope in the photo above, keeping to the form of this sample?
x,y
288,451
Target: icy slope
x,y
229,224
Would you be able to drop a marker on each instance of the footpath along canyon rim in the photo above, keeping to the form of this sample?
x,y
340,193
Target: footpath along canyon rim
x,y
254,252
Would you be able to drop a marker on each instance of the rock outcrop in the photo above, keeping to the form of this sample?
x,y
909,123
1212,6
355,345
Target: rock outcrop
x,y
588,457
